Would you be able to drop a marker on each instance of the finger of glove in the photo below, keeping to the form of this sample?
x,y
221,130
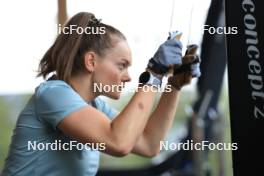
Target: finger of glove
x,y
197,59
188,59
195,70
175,34
191,64
173,42
191,49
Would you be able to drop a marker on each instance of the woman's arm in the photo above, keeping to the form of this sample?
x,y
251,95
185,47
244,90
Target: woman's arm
x,y
162,118
121,135
158,125
89,125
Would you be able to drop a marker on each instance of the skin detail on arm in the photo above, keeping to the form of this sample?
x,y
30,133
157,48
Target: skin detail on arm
x,y
141,106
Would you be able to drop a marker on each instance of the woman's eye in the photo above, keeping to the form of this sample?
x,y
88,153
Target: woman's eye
x,y
121,66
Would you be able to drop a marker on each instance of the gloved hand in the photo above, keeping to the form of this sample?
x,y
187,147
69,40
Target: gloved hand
x,y
190,68
168,55
191,62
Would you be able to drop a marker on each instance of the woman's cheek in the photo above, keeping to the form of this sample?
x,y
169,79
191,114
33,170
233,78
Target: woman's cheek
x,y
115,76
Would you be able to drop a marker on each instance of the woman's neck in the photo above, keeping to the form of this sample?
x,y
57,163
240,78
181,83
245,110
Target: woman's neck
x,y
83,85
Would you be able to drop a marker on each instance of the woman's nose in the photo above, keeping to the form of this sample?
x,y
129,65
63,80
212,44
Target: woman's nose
x,y
126,77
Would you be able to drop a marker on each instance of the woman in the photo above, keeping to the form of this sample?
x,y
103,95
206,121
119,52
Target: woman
x,y
65,111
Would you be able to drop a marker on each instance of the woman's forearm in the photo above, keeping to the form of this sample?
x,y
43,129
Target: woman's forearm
x,y
161,120
130,123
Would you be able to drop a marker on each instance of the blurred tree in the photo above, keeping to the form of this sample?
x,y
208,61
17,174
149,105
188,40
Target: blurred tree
x,y
10,106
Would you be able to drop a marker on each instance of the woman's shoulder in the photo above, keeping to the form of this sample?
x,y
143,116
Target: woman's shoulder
x,y
54,83
53,86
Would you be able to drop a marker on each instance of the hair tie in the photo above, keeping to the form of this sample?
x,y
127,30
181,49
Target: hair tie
x,y
95,21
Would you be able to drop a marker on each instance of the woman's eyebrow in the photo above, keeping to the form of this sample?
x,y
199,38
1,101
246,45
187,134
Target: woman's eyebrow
x,y
126,61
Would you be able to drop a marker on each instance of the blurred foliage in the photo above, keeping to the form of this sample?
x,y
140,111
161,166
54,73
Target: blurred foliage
x,y
10,106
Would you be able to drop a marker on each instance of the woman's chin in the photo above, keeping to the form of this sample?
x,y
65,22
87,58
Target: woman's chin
x,y
114,95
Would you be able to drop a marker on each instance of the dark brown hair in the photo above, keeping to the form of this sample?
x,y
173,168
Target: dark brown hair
x,y
66,56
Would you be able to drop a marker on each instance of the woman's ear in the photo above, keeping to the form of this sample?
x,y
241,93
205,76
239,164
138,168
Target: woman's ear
x,y
89,61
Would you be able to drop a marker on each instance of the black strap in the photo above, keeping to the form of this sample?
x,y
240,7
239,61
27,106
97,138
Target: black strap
x,y
156,67
53,77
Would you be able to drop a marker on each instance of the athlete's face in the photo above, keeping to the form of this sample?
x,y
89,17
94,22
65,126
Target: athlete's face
x,y
112,70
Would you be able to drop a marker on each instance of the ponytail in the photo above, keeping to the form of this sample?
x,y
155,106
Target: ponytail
x,y
66,56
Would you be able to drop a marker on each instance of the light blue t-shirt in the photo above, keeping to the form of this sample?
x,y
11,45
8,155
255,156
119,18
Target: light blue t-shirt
x,y
52,102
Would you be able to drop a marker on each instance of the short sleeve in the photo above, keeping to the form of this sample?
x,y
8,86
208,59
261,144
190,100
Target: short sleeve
x,y
55,101
105,108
